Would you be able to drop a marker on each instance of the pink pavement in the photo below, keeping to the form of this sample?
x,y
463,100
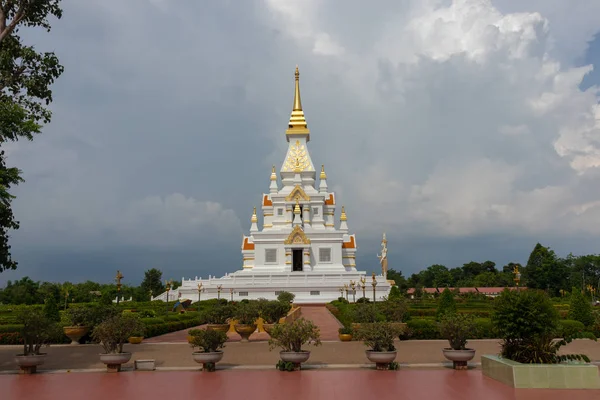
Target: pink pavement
x,y
275,385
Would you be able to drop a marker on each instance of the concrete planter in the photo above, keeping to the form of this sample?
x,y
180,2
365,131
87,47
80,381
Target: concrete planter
x,y
245,331
541,376
145,365
28,364
75,333
217,327
208,360
295,357
459,358
382,359
114,361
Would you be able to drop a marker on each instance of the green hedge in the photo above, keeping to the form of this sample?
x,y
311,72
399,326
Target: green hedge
x,y
570,328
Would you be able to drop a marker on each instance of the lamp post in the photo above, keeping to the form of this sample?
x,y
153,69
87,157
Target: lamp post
x,y
200,290
66,298
150,293
231,293
591,289
168,287
353,286
363,285
517,276
346,289
374,284
342,292
219,287
118,279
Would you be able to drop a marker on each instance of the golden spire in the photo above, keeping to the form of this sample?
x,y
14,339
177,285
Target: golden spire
x,y
254,217
323,175
343,217
297,207
297,101
273,174
297,125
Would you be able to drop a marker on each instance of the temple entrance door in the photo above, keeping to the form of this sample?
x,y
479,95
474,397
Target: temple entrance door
x,y
297,260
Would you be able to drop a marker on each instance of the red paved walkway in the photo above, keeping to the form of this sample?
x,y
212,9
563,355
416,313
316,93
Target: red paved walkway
x,y
327,323
275,385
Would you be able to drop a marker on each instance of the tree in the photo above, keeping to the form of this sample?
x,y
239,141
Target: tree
x,y
580,308
398,278
25,80
152,282
446,304
545,271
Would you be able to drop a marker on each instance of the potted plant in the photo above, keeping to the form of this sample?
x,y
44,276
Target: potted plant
x,y
379,337
345,333
456,328
37,331
218,317
210,343
245,316
112,334
137,336
290,338
271,312
78,324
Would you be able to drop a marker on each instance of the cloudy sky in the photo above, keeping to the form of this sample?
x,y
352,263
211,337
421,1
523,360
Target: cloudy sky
x,y
466,129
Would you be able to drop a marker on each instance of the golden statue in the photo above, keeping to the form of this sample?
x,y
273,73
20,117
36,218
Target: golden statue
x,y
383,257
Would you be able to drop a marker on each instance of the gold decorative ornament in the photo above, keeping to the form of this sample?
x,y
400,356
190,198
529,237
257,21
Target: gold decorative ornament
x,y
254,217
297,207
297,159
323,175
343,217
297,193
273,174
297,236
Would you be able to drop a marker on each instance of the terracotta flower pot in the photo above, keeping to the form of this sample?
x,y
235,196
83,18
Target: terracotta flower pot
x,y
218,327
459,358
75,333
135,339
268,328
381,358
245,331
345,337
114,361
28,363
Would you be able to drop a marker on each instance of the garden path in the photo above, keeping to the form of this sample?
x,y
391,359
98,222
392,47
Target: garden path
x,y
327,323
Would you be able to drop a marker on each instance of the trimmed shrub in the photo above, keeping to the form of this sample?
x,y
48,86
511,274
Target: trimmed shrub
x,y
422,329
446,304
580,308
569,328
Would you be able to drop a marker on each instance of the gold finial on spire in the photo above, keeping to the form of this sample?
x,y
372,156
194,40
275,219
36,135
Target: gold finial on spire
x,y
254,217
323,175
343,217
297,207
273,174
297,124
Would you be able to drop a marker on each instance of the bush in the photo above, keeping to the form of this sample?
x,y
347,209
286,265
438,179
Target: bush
x,y
346,330
378,336
423,329
394,309
208,341
456,328
219,314
395,293
37,331
570,329
361,300
527,323
272,311
580,308
51,309
115,331
286,297
246,313
366,313
291,337
446,304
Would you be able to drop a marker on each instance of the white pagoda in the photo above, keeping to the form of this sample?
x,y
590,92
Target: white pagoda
x,y
299,248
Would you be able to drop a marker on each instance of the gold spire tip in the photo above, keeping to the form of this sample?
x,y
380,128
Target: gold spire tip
x,y
343,217
273,174
323,175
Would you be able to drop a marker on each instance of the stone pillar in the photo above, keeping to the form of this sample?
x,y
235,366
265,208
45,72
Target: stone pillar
x,y
306,259
288,259
306,214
